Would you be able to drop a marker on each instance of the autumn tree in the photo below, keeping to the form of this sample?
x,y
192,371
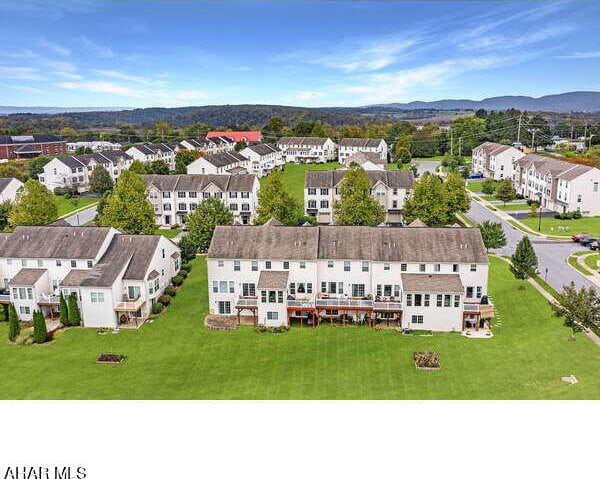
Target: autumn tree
x,y
34,206
402,156
356,206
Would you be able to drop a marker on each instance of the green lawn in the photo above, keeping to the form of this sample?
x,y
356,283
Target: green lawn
x,y
592,261
176,357
512,206
474,185
293,176
589,225
573,262
167,233
66,205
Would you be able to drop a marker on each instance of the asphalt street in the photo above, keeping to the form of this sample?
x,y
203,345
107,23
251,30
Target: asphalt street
x,y
82,217
423,166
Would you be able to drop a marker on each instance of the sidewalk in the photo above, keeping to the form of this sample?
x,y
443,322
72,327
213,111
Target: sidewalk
x,y
595,275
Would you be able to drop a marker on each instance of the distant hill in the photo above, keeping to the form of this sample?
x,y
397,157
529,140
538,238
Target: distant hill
x,y
577,101
51,110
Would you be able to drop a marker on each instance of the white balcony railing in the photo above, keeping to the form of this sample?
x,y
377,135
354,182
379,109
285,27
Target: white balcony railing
x,y
130,305
340,302
246,302
5,298
387,305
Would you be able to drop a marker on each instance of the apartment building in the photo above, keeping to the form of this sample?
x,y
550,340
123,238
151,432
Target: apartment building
x,y
116,277
367,160
262,158
226,163
174,196
9,188
75,171
95,146
209,146
389,188
494,160
237,136
558,185
349,146
30,146
299,149
155,152
423,278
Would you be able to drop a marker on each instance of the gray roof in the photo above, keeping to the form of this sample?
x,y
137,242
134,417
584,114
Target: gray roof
x,y
58,242
553,166
20,139
225,159
361,157
361,142
331,179
273,280
437,283
263,149
417,224
411,245
302,140
103,158
4,182
491,148
27,277
200,182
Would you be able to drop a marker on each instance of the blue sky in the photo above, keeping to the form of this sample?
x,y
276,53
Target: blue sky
x,y
170,53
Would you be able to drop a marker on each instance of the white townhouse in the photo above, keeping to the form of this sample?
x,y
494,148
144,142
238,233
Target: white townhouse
x,y
419,277
9,188
227,163
494,160
389,188
174,196
263,158
95,146
75,171
209,146
349,146
155,152
367,160
116,277
300,149
558,185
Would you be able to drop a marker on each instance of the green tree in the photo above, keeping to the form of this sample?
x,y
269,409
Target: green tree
x,y
492,234
162,129
426,201
74,314
83,150
318,130
197,130
240,145
35,166
8,170
188,248
455,194
274,125
138,167
63,311
182,159
5,209
505,191
204,219
524,261
579,308
488,186
100,181
471,129
40,332
356,206
402,156
14,325
128,206
34,206
276,202
425,142
158,167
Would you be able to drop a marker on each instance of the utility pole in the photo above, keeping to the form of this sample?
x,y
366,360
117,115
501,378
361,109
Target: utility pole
x,y
519,129
532,131
571,131
459,146
584,135
451,142
591,135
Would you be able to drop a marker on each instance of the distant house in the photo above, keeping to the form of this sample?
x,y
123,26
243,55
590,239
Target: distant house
x,y
494,160
9,188
30,146
174,196
263,158
300,149
368,160
237,136
95,146
349,146
230,162
155,152
209,146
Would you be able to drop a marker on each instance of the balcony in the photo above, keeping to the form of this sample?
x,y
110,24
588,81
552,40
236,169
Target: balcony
x,y
246,303
48,299
341,303
486,311
387,305
4,298
130,304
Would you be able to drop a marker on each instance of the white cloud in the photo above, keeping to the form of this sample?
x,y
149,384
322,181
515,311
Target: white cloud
x,y
101,87
55,47
20,73
97,50
24,88
67,75
506,41
309,95
581,55
122,76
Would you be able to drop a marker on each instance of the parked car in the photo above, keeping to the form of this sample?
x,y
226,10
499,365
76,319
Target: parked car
x,y
577,237
474,176
585,241
593,245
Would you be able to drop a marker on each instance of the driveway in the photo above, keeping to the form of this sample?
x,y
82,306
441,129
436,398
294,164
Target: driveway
x,y
423,166
552,255
82,217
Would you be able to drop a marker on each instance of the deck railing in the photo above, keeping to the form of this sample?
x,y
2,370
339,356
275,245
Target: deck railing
x,y
387,305
246,302
5,298
296,303
341,302
131,305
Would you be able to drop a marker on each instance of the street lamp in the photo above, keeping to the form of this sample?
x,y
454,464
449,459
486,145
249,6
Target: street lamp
x,y
539,195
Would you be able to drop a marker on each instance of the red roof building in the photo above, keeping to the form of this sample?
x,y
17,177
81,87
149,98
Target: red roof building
x,y
237,136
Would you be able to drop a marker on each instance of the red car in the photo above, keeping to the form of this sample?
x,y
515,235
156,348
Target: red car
x,y
577,237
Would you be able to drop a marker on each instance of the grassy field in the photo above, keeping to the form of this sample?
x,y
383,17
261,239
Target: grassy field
x,y
176,357
512,206
589,225
293,176
167,233
66,205
474,186
573,262
592,261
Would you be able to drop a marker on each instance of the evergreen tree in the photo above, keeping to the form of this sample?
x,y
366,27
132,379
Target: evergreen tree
x,y
64,312
74,314
505,191
34,206
356,206
203,221
524,261
492,234
100,181
14,325
276,202
138,167
40,332
128,206
188,249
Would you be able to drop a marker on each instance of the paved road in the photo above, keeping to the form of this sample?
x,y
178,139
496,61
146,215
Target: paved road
x,y
82,217
423,166
550,254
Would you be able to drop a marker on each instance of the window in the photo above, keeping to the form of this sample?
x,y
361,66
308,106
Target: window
x,y
248,289
312,191
263,296
437,267
358,290
224,307
479,291
272,297
245,207
272,315
312,204
302,264
394,191
595,186
220,263
236,264
426,300
24,309
403,266
193,206
324,204
473,267
394,204
409,299
455,268
324,191
309,288
422,268
167,207
166,194
233,207
222,286
90,264
418,299
447,298
73,263
182,207
206,194
293,288
417,319
578,198
40,263
286,265
438,302
9,261
267,265
233,194
469,291
231,287
245,194
97,297
330,264
323,287
280,296
365,266
397,290
133,292
215,286
254,265
386,266
218,194
346,265
23,262
192,194
456,300
181,194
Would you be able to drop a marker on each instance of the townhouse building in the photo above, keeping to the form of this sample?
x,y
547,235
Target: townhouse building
x,y
30,146
349,146
298,149
155,152
494,160
389,188
367,160
115,277
209,146
75,171
262,158
558,185
174,196
9,188
95,146
419,277
226,163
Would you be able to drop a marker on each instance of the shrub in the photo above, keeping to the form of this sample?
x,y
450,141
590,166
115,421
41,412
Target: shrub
x,y
576,214
14,326
40,332
25,338
63,310
56,334
74,314
165,299
170,290
157,308
177,280
186,267
183,273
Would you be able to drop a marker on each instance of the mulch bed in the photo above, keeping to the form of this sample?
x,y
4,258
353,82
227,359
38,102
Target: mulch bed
x,y
221,323
110,358
426,360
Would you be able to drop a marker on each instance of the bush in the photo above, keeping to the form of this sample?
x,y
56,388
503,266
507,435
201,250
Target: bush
x,y
170,290
157,308
40,333
165,299
576,215
25,338
183,273
14,325
177,280
186,267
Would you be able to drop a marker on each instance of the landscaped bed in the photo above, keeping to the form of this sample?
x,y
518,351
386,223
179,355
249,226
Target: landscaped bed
x,y
426,360
107,358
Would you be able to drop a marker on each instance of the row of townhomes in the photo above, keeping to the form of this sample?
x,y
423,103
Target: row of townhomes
x,y
306,149
116,277
495,161
210,146
389,188
74,171
95,146
225,163
30,146
349,146
420,277
558,185
174,196
9,188
155,152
